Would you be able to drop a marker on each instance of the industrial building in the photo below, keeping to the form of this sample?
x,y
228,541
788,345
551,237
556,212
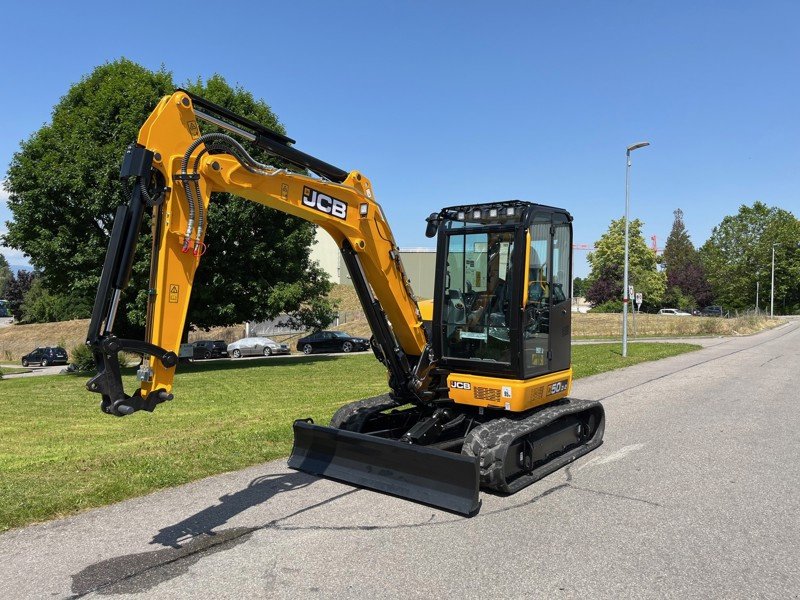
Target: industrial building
x,y
419,263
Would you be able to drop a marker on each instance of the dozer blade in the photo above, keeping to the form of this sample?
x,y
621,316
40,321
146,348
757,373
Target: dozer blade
x,y
436,477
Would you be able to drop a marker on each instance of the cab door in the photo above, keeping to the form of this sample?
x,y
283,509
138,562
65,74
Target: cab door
x,y
560,294
546,330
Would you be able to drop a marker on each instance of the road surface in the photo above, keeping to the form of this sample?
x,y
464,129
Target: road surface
x,y
695,494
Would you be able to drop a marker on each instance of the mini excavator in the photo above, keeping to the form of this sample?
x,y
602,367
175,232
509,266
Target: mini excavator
x,y
478,377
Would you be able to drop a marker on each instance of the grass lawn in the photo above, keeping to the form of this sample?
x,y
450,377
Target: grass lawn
x,y
59,454
12,370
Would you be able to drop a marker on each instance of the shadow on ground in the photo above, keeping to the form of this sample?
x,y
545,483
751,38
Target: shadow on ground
x,y
188,541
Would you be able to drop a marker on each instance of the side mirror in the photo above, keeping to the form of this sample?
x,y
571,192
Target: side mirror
x,y
433,225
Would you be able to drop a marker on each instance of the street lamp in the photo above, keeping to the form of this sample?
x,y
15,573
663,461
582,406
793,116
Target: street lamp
x,y
625,290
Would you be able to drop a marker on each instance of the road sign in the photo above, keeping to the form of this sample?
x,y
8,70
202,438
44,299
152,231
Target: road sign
x,y
639,299
630,291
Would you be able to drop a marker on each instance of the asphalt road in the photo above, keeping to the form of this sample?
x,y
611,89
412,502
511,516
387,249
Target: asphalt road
x,y
695,494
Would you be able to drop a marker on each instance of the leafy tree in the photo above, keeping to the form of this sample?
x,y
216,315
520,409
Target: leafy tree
x,y
578,287
5,276
39,305
64,189
605,280
739,252
607,286
18,286
314,316
687,285
64,181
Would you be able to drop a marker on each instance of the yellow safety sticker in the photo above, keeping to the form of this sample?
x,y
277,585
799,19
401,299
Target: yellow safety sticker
x,y
173,293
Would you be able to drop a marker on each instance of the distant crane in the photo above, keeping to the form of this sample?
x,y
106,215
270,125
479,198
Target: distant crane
x,y
582,247
654,247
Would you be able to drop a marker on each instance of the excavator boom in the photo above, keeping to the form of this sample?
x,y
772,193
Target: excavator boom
x,y
181,168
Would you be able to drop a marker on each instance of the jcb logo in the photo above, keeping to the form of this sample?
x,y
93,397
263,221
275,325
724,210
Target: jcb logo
x,y
324,203
461,385
558,387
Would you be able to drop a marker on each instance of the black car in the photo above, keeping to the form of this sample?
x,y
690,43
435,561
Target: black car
x,y
331,341
712,311
209,349
46,356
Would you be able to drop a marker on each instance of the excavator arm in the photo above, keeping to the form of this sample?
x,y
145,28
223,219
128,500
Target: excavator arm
x,y
174,169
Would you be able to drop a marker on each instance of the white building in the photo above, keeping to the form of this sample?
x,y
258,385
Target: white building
x,y
419,263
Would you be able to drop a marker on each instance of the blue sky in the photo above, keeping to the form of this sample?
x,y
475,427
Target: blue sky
x,y
447,102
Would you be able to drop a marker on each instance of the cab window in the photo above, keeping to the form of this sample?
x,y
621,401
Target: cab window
x,y
477,296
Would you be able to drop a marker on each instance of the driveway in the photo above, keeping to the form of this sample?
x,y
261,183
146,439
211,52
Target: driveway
x,y
694,494
33,371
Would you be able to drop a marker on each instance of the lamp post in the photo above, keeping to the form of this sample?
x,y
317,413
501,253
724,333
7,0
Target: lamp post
x,y
625,290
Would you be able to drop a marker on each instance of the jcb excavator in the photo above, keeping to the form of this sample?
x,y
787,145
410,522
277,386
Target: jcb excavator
x,y
478,378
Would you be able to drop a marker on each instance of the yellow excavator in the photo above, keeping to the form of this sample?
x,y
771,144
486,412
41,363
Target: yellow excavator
x,y
478,377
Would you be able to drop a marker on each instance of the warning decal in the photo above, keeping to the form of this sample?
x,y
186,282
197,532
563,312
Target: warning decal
x,y
173,293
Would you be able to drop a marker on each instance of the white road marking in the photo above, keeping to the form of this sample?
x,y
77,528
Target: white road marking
x,y
614,456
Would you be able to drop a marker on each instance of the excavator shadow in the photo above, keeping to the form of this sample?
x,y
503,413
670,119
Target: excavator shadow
x,y
259,490
187,541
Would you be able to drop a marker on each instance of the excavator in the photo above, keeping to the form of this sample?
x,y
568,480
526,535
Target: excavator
x,y
479,377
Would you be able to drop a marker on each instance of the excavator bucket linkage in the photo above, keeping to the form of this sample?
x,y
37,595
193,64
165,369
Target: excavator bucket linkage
x,y
439,478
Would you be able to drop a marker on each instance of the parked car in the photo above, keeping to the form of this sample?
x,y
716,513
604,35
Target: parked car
x,y
210,349
256,346
331,341
45,356
712,311
674,312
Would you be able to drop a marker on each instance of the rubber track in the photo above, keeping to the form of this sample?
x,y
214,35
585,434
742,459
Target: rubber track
x,y
490,441
353,416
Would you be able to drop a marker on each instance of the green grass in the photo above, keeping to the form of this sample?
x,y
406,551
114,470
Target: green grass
x,y
12,370
591,359
59,454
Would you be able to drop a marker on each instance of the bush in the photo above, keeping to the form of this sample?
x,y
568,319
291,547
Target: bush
x,y
41,306
610,306
82,358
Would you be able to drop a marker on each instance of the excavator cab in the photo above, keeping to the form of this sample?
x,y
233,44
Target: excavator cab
x,y
502,292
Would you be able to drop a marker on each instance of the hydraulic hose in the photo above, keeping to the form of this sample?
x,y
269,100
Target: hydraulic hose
x,y
195,199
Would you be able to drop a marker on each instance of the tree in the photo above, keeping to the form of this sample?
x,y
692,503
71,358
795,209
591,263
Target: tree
x,y
679,250
605,280
64,189
606,286
39,305
739,253
5,276
18,286
687,285
578,287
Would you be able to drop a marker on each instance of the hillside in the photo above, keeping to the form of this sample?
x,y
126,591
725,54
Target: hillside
x,y
17,340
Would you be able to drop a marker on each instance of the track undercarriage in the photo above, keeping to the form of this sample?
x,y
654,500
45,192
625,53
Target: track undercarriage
x,y
380,444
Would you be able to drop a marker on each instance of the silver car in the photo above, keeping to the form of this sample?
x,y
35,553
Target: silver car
x,y
256,346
